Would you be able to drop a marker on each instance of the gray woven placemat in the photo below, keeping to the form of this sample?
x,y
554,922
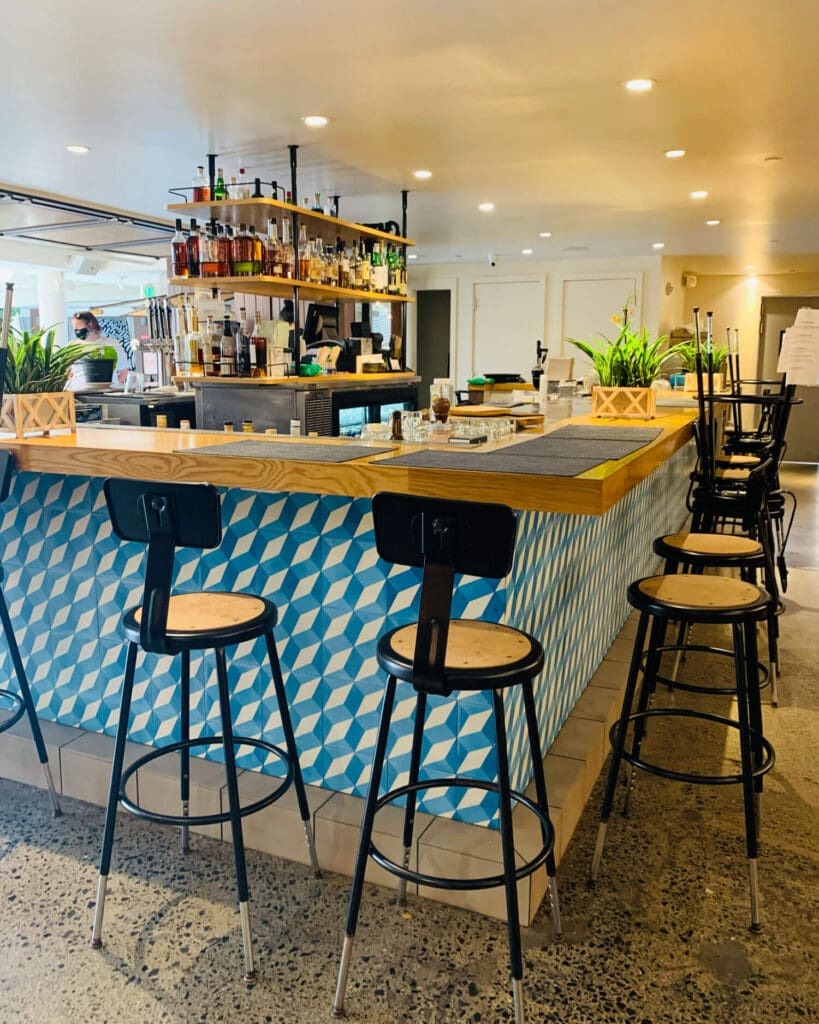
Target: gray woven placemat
x,y
579,430
493,462
577,448
302,451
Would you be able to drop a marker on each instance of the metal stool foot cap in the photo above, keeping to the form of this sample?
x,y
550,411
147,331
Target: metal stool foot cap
x,y
755,928
250,977
337,1014
96,943
57,812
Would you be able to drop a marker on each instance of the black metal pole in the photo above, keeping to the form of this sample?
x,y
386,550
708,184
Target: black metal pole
x,y
295,218
404,197
212,182
336,200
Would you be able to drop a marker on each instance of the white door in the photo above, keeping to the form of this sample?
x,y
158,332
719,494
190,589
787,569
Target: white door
x,y
588,306
508,319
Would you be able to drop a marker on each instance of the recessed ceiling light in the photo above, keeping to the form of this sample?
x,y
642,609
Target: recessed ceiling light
x,y
640,84
413,256
545,234
699,194
315,120
422,175
77,148
712,223
674,154
526,252
658,245
486,207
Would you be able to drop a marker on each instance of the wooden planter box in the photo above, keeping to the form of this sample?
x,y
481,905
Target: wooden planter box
x,y
691,382
38,413
624,403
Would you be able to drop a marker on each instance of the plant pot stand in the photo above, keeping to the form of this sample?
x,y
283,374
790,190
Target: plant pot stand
x,y
624,403
38,413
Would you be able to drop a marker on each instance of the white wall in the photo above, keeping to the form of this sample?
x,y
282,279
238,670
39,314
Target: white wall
x,y
460,279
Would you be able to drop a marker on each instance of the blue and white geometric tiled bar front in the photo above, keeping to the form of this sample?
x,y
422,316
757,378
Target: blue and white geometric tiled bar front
x,y
68,579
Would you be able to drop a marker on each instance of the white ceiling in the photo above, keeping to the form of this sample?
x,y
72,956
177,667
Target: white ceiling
x,y
518,102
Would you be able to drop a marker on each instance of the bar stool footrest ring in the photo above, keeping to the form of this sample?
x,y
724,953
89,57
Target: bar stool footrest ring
x,y
204,819
675,684
677,776
18,709
464,884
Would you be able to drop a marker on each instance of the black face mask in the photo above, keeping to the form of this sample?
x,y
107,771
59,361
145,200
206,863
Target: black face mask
x,y
82,333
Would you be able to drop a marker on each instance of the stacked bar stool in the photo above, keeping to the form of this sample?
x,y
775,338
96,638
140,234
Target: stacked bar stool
x,y
167,516
20,702
438,655
695,599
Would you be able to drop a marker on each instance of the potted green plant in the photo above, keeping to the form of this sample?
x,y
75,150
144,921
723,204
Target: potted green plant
x,y
98,364
36,373
715,361
626,368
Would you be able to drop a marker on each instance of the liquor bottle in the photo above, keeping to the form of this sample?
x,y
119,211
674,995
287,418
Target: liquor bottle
x,y
258,348
220,192
317,207
256,252
304,255
393,275
227,350
353,260
233,189
224,236
193,250
243,350
343,267
362,273
201,189
273,251
194,340
242,249
288,197
179,252
331,258
402,274
286,253
243,191
314,266
208,255
210,349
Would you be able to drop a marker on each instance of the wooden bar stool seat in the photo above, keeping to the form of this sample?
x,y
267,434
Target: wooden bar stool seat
x,y
166,516
440,656
694,599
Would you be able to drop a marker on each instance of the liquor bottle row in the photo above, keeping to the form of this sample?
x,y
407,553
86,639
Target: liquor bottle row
x,y
225,190
224,350
218,250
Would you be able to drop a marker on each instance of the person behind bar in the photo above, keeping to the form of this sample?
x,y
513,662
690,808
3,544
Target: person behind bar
x,y
87,329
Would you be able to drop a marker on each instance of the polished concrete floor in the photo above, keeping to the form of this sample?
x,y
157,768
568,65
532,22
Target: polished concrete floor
x,y
663,938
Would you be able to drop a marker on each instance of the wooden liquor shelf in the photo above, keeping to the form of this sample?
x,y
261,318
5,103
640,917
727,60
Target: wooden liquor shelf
x,y
284,288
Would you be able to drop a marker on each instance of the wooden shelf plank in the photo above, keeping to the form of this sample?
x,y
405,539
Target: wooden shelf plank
x,y
283,288
258,211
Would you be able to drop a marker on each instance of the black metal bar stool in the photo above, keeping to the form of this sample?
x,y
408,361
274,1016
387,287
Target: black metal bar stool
x,y
167,516
695,599
21,703
440,655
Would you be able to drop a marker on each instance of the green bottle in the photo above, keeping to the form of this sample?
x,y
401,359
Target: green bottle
x,y
220,192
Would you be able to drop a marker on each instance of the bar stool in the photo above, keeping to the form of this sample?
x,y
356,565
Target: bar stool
x,y
440,655
21,703
695,599
167,516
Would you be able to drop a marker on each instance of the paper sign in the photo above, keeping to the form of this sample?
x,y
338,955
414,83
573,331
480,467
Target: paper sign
x,y
799,355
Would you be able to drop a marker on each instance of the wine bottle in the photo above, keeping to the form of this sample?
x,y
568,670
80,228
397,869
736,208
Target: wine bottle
x,y
179,252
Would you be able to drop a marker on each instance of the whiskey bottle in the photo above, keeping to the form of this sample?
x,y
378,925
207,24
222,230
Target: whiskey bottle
x,y
179,252
224,251
193,250
256,252
209,343
258,348
287,255
344,267
208,255
304,254
243,351
271,267
242,253
315,262
201,189
362,273
227,350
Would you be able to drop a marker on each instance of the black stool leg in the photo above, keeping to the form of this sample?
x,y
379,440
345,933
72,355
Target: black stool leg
x,y
414,769
508,848
657,639
113,794
754,716
364,839
746,753
292,751
25,693
184,753
542,799
235,811
619,744
765,537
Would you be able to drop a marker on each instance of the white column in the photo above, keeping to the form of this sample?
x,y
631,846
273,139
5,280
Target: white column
x,y
51,300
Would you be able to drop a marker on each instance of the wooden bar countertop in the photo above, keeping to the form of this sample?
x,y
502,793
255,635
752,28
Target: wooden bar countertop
x,y
148,453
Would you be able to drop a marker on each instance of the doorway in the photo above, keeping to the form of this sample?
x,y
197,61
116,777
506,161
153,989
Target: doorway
x,y
433,312
779,313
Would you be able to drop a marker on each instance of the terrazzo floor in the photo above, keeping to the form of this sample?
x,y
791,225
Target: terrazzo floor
x,y
663,939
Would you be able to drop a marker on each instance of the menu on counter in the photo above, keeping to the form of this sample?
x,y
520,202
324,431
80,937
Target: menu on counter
x,y
799,355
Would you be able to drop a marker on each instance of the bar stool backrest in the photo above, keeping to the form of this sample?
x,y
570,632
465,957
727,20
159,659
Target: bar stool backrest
x,y
443,538
6,469
166,516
